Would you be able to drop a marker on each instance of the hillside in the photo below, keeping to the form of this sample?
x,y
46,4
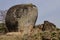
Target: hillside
x,y
46,31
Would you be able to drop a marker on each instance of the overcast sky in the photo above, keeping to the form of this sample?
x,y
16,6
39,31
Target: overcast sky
x,y
47,9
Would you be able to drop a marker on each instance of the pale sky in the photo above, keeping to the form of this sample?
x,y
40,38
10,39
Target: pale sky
x,y
47,9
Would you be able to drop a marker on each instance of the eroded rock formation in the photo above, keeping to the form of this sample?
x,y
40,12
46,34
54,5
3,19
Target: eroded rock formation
x,y
21,17
46,26
20,22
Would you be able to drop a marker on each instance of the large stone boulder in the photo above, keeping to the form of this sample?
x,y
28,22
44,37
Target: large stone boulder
x,y
48,26
21,17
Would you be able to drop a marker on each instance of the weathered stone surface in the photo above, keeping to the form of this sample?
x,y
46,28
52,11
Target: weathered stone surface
x,y
47,26
20,17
